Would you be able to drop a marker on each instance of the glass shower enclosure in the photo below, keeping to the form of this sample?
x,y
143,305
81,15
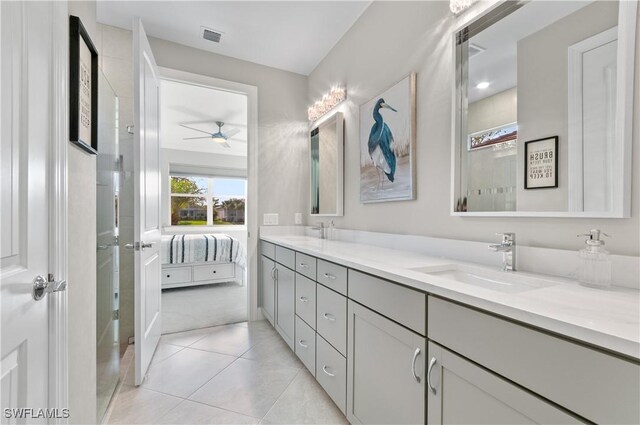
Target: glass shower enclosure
x,y
107,302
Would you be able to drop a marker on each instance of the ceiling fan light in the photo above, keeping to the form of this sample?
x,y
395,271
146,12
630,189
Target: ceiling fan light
x,y
219,139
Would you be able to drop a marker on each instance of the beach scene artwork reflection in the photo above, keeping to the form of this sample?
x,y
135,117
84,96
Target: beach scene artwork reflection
x,y
387,144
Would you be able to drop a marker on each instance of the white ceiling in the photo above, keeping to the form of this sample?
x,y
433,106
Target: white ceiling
x,y
498,63
289,35
201,107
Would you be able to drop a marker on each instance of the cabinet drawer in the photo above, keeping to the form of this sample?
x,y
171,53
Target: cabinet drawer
x,y
331,317
306,265
305,345
597,386
403,305
213,271
268,249
286,257
176,275
332,276
306,299
331,372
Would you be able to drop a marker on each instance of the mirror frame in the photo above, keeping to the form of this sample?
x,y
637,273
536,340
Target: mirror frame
x,y
627,21
339,123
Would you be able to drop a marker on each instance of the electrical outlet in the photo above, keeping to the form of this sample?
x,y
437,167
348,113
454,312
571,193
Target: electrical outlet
x,y
270,219
298,218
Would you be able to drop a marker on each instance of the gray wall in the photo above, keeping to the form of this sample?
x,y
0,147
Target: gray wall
x,y
282,149
390,40
82,263
282,122
542,94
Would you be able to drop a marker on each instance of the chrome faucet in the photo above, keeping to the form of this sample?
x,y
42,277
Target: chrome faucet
x,y
322,229
508,249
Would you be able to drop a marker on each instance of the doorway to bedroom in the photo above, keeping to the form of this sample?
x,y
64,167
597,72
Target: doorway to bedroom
x,y
204,133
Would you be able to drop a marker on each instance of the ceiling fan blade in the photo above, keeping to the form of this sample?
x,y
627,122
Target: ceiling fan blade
x,y
232,132
191,128
196,138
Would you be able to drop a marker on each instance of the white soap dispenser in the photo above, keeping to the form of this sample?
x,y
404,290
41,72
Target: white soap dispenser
x,y
595,264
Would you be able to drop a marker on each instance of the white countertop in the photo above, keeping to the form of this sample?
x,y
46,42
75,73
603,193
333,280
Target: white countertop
x,y
605,318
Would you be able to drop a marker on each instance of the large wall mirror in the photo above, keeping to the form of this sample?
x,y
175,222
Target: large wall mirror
x,y
543,110
327,166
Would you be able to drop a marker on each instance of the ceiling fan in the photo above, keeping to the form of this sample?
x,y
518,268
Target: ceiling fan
x,y
218,137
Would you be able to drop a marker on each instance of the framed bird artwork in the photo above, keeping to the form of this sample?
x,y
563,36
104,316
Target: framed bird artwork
x,y
388,144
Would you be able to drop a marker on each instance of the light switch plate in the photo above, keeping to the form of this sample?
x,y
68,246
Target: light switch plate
x,y
298,218
270,219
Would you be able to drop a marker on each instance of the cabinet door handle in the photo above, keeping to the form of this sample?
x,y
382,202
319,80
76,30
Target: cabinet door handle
x,y
432,363
304,265
413,365
324,369
273,273
304,299
302,344
276,274
329,276
329,317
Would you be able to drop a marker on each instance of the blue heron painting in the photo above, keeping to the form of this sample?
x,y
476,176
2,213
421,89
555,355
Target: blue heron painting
x,y
387,143
381,144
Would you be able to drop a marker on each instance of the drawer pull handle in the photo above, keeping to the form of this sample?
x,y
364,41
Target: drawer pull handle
x,y
303,344
304,299
413,365
431,364
304,265
330,317
329,276
324,369
168,275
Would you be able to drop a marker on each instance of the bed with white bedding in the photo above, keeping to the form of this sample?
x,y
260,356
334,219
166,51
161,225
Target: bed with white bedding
x,y
200,259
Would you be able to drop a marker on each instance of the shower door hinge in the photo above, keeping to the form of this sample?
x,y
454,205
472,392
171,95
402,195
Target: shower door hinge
x,y
116,314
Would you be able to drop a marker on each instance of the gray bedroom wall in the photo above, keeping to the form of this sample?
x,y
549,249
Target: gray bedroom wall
x,y
390,40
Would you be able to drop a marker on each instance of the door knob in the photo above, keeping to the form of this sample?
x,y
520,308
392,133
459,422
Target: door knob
x,y
42,286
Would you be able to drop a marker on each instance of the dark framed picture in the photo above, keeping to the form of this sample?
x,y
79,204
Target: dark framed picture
x,y
83,88
541,163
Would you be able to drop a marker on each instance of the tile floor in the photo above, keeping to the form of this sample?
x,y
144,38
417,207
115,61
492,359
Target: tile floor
x,y
232,374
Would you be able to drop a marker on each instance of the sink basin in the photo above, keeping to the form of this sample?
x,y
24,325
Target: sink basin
x,y
496,280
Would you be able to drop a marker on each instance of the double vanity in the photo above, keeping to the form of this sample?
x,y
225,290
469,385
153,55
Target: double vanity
x,y
399,337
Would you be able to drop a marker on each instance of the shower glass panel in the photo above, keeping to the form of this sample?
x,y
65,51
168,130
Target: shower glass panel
x,y
107,182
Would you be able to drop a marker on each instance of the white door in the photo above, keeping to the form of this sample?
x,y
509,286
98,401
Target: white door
x,y
26,143
146,169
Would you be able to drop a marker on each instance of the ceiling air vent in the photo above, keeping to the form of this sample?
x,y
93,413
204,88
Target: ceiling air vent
x,y
211,35
474,50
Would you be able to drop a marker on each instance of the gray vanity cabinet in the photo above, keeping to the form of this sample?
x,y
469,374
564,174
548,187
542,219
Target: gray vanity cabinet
x,y
385,370
268,288
461,392
285,303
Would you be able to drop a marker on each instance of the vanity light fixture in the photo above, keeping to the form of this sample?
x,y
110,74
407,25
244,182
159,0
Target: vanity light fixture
x,y
327,103
482,85
459,6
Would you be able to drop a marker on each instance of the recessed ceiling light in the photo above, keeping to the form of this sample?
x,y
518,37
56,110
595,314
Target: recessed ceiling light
x,y
483,85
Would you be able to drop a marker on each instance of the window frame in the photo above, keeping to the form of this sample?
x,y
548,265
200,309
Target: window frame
x,y
209,195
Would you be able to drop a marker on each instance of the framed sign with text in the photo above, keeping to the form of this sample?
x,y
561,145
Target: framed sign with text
x,y
541,163
83,88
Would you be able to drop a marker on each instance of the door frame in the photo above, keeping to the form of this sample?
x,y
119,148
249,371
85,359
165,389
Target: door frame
x,y
58,206
252,169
